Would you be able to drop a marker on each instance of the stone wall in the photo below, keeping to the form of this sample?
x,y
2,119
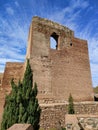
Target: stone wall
x,y
1,76
61,71
57,72
21,127
51,115
12,70
54,113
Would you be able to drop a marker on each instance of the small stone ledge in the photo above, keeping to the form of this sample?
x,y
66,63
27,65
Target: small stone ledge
x,y
21,127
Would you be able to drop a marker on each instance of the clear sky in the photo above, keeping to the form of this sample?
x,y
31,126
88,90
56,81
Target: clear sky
x,y
16,15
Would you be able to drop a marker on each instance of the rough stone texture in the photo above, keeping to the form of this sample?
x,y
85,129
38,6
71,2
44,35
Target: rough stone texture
x,y
89,123
1,76
51,115
57,72
21,127
71,122
12,70
54,113
2,101
81,122
62,71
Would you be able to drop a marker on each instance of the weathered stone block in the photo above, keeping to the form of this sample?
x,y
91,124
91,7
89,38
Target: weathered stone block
x,y
21,127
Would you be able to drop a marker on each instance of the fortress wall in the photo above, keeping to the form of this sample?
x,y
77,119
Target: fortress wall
x,y
64,70
29,42
1,76
40,56
71,72
53,114
41,63
12,70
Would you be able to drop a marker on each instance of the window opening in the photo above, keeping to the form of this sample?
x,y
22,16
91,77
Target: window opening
x,y
54,41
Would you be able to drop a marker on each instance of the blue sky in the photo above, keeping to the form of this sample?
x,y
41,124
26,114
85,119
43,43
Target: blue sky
x,y
16,15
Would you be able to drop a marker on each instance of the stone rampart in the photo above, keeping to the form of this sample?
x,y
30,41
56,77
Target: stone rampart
x,y
63,70
54,113
12,70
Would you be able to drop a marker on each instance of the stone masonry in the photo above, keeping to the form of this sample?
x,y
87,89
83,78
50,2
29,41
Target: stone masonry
x,y
12,70
61,71
57,72
52,114
21,127
1,76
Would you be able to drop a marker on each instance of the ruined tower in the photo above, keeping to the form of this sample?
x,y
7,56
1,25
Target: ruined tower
x,y
61,71
58,72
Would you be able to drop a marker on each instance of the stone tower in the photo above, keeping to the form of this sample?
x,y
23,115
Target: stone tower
x,y
61,71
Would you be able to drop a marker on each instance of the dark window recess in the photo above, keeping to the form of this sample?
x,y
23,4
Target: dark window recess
x,y
70,44
95,98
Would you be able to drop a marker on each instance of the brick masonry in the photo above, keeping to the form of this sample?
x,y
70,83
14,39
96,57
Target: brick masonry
x,y
61,71
58,72
12,70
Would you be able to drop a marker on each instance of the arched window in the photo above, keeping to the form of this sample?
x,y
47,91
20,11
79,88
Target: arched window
x,y
54,41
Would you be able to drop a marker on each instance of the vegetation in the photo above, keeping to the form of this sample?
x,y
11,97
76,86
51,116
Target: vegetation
x,y
63,128
96,89
21,105
71,105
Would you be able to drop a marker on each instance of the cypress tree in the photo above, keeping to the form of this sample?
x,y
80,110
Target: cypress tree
x,y
22,105
71,105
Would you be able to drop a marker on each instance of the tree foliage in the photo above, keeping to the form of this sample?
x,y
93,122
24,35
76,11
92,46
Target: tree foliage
x,y
71,105
21,105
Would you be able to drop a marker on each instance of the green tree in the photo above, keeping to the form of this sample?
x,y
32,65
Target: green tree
x,y
71,105
21,105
